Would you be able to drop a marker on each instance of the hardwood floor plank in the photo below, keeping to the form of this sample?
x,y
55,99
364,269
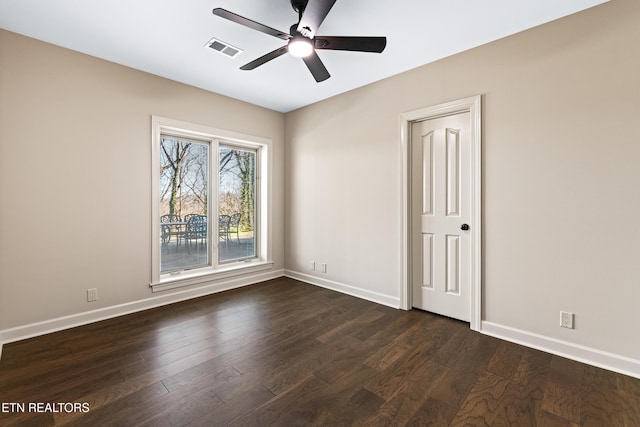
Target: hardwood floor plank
x,y
26,419
408,396
155,360
71,391
432,413
200,394
352,325
130,411
272,353
345,402
484,402
395,350
389,315
459,339
101,397
562,402
295,369
562,394
404,371
72,372
309,401
494,400
550,420
211,373
527,388
196,336
568,373
601,404
216,346
344,362
455,386
412,337
248,399
41,350
353,411
289,408
505,360
467,348
179,410
629,389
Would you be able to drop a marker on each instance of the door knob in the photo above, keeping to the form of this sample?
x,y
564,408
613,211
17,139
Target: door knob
x,y
464,227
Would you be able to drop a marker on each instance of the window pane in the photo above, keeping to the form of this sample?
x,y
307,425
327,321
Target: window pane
x,y
237,204
184,175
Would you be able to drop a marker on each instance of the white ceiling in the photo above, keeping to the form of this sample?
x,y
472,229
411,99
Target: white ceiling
x,y
167,38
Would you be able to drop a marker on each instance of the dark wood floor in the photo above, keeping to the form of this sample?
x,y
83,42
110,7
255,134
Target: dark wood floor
x,y
285,353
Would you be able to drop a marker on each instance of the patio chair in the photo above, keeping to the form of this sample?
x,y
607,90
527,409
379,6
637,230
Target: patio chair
x,y
188,216
234,225
196,229
170,230
224,222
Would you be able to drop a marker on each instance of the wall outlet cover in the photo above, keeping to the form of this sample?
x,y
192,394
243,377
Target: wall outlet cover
x,y
566,319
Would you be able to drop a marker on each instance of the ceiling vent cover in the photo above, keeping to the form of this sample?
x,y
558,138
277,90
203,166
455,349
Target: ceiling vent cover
x,y
223,47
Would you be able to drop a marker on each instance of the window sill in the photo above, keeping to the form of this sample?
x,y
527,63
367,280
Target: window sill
x,y
201,276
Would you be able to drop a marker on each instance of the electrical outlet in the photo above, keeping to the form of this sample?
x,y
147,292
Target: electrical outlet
x,y
313,265
92,294
566,319
324,268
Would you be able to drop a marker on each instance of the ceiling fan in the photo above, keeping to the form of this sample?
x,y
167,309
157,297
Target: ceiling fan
x,y
302,39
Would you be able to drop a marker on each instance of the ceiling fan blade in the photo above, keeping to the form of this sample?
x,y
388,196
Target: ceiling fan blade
x,y
265,58
317,68
358,44
223,13
314,14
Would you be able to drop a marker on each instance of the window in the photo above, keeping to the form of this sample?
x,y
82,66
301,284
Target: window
x,y
210,205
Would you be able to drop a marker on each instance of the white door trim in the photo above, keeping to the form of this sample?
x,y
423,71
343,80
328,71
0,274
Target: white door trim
x,y
473,105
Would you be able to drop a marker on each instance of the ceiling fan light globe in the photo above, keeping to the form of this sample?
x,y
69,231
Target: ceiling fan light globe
x,y
300,47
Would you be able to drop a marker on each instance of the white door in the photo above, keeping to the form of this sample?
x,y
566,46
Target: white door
x,y
441,215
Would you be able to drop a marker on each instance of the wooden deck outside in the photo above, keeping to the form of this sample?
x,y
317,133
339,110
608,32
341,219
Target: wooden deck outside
x,y
173,255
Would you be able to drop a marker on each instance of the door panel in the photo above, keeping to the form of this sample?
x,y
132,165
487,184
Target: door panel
x,y
427,260
441,203
453,171
426,144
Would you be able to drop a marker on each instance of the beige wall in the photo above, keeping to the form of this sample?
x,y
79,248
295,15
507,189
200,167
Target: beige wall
x,y
561,177
75,176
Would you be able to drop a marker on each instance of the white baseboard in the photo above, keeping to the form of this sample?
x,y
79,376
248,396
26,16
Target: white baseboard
x,y
591,356
588,355
66,322
376,297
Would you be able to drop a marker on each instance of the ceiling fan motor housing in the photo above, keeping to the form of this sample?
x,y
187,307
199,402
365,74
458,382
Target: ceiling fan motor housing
x,y
299,6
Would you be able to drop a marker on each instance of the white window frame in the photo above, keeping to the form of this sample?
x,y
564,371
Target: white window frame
x,y
217,270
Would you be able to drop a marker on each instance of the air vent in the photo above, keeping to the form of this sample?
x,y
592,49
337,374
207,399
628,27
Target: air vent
x,y
223,47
